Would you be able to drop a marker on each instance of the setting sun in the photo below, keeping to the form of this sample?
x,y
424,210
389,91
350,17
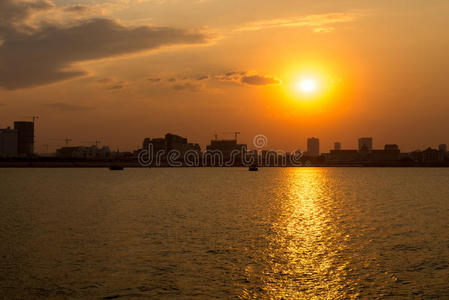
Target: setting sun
x,y
307,86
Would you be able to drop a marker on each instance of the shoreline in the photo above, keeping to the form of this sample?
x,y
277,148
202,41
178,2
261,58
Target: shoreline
x,y
127,164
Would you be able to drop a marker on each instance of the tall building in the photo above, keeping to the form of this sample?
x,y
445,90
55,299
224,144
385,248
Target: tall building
x,y
313,147
337,146
442,147
366,144
25,139
8,142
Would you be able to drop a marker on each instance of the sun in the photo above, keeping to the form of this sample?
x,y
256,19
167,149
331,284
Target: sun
x,y
306,86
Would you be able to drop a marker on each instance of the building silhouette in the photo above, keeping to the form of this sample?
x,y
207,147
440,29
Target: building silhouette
x,y
230,151
313,147
171,142
8,142
343,155
25,137
432,155
225,146
337,146
390,153
391,147
86,152
366,144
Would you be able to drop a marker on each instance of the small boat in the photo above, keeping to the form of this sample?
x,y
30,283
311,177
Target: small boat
x,y
115,168
253,168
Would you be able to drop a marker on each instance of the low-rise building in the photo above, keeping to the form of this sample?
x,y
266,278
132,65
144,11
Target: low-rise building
x,y
432,155
92,152
343,155
228,149
390,153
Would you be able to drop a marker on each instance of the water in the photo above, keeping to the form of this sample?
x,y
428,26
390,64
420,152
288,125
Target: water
x,y
224,233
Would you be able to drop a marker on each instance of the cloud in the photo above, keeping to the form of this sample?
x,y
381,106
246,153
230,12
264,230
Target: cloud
x,y
186,87
118,86
154,80
67,107
196,83
77,8
204,77
32,56
229,76
259,80
321,22
13,13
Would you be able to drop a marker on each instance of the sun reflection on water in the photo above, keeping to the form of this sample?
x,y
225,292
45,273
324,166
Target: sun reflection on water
x,y
306,242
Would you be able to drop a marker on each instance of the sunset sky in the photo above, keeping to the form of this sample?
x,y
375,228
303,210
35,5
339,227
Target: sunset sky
x,y
120,71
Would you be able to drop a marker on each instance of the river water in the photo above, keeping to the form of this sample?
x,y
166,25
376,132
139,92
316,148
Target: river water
x,y
224,233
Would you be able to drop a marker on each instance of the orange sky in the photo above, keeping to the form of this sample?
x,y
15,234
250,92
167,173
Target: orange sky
x,y
119,71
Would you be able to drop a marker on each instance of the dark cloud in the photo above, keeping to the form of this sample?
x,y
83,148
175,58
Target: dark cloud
x,y
77,8
259,80
195,83
13,13
228,76
48,53
116,87
203,77
67,107
186,87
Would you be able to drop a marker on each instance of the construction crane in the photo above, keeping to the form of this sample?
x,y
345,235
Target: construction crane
x,y
235,133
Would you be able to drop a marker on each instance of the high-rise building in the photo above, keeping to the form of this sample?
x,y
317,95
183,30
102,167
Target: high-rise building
x,y
313,147
8,142
442,147
366,144
337,146
25,138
